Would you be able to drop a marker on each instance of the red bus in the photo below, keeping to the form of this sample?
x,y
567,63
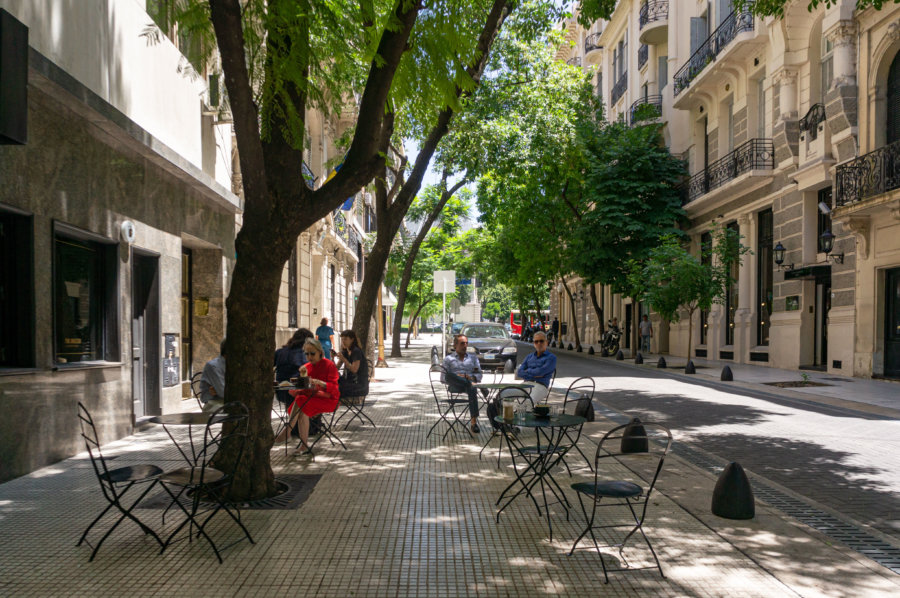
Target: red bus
x,y
515,320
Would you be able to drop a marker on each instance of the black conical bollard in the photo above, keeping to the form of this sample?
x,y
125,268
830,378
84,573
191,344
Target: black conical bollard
x,y
552,344
733,496
591,350
620,356
570,347
508,367
634,437
727,376
689,368
578,349
661,363
639,359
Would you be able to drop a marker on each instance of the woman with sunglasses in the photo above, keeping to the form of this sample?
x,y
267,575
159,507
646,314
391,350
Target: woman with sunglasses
x,y
322,393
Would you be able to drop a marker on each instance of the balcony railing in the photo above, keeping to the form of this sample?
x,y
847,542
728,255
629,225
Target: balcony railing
x,y
643,55
341,227
646,108
756,154
308,175
574,61
654,10
869,175
737,22
592,42
619,88
810,122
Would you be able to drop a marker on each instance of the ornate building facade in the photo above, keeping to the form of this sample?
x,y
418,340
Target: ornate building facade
x,y
789,129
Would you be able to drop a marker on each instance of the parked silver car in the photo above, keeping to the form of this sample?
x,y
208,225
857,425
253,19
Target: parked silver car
x,y
492,344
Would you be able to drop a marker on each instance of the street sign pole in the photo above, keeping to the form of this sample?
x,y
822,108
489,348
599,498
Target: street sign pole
x,y
442,280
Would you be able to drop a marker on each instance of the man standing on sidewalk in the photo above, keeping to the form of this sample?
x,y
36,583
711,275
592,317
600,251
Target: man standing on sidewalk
x,y
538,368
462,370
646,333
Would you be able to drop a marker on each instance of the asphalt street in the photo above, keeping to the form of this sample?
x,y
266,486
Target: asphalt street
x,y
842,459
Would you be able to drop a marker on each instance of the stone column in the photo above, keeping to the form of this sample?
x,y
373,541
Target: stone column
x,y
786,128
743,315
841,99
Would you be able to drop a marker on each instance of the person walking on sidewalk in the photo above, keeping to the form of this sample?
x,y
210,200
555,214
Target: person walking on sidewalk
x,y
646,333
538,368
462,370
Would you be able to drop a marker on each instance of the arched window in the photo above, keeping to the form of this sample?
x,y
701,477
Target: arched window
x,y
893,101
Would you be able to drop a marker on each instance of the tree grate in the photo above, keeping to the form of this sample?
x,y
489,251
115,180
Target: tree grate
x,y
848,534
295,489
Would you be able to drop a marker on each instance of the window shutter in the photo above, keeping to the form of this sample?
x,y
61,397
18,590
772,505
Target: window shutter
x,y
698,33
663,70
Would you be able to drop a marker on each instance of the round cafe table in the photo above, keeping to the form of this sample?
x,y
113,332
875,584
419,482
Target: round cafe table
x,y
536,463
191,419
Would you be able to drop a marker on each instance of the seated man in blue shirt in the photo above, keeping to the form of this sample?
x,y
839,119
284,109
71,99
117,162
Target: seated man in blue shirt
x,y
212,382
463,369
538,368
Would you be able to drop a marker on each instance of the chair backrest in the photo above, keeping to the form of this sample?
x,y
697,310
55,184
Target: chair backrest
x,y
438,388
92,443
552,379
580,392
195,387
642,465
227,424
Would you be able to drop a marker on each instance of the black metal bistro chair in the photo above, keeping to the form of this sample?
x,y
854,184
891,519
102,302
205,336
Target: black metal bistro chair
x,y
641,449
203,484
115,483
450,406
327,428
195,388
580,394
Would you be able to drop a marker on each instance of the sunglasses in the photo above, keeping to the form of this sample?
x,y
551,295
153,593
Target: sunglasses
x,y
310,353
539,341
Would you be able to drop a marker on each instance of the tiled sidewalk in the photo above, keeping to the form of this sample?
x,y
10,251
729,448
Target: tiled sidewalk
x,y
401,515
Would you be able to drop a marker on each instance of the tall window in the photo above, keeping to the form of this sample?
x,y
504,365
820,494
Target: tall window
x,y
16,291
761,108
893,101
731,295
187,357
765,286
706,260
824,220
86,299
662,72
826,63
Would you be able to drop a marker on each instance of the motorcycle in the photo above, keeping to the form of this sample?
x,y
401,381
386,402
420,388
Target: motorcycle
x,y
609,342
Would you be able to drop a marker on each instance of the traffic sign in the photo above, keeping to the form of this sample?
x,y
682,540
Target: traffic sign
x,y
444,281
461,281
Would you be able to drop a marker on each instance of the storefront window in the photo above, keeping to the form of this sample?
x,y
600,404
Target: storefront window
x,y
731,295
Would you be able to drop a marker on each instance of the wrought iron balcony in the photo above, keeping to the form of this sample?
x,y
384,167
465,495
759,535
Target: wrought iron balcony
x,y
308,175
646,108
618,89
756,154
592,42
654,10
737,22
341,226
643,55
810,122
574,61
869,175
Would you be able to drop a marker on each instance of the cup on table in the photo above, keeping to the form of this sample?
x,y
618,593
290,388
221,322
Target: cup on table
x,y
294,380
509,409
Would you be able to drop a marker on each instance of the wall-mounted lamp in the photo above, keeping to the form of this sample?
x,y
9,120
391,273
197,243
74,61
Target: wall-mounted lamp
x,y
826,242
779,257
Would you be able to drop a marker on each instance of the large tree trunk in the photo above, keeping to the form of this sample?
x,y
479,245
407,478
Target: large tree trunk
x,y
446,194
278,207
412,320
574,315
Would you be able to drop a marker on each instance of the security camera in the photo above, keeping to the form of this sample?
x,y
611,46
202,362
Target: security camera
x,y
823,207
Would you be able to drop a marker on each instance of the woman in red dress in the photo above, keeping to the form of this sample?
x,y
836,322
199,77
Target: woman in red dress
x,y
322,393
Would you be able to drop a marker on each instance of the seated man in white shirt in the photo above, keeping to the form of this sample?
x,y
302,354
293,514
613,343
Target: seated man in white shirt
x,y
212,382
